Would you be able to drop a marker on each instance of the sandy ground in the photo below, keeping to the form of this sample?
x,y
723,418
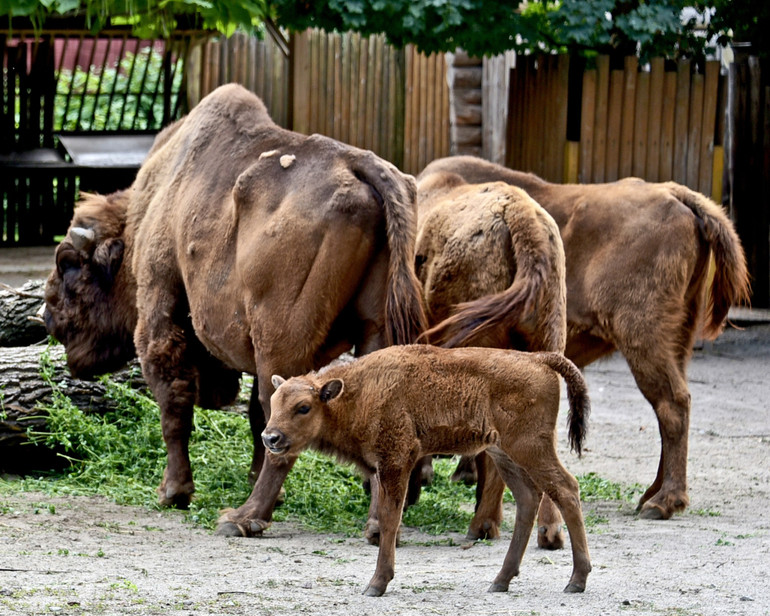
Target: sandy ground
x,y
89,556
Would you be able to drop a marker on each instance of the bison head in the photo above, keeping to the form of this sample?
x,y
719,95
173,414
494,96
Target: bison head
x,y
90,296
296,413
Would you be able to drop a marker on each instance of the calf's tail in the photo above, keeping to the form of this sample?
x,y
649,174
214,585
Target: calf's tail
x,y
404,311
577,395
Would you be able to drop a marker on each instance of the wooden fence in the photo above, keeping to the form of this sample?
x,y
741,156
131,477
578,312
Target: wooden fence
x,y
655,122
356,89
748,162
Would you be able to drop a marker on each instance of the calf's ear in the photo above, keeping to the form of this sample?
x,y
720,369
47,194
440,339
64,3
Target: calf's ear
x,y
277,381
331,389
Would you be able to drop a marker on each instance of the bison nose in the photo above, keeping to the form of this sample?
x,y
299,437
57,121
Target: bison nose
x,y
274,440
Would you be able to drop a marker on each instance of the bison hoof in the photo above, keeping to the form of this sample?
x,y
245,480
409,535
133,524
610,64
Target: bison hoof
x,y
228,529
251,528
574,588
469,478
488,530
171,498
372,533
550,541
653,512
371,591
498,587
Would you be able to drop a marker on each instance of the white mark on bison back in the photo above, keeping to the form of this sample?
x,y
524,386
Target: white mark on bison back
x,y
268,154
287,160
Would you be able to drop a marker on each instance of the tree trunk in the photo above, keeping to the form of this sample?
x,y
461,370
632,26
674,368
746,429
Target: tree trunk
x,y
18,310
24,394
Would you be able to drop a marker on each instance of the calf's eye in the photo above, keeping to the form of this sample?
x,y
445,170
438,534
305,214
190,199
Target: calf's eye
x,y
302,410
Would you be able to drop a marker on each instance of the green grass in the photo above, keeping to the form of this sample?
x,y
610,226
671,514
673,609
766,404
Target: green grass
x,y
120,454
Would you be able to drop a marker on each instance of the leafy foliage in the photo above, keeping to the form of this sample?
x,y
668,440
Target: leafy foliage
x,y
113,98
481,27
490,27
149,18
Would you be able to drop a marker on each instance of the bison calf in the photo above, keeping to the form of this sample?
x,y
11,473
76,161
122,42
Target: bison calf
x,y
386,410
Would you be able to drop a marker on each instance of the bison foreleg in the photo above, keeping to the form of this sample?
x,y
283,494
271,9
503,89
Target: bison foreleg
x,y
254,516
257,423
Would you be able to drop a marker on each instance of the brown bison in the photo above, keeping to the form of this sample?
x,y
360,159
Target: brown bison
x,y
637,257
491,263
240,247
385,411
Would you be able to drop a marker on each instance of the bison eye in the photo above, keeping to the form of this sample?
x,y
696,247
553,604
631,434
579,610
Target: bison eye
x,y
302,410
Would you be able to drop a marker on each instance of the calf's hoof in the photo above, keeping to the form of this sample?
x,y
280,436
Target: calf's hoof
x,y
371,591
498,587
550,538
574,588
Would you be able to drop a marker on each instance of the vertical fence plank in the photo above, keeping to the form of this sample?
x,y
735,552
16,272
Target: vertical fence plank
x,y
600,129
695,126
630,71
654,122
667,135
641,118
614,123
681,121
706,155
587,122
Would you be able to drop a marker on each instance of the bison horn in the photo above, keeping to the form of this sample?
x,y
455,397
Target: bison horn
x,y
82,239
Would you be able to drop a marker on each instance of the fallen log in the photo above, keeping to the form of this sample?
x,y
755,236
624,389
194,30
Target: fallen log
x,y
25,393
19,325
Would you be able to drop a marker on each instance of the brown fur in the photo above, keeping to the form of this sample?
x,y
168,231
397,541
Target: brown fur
x,y
236,257
385,411
637,258
491,263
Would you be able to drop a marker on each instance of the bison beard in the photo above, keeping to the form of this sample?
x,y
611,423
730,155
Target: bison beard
x,y
240,247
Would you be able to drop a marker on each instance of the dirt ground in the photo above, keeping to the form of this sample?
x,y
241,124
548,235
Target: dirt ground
x,y
89,556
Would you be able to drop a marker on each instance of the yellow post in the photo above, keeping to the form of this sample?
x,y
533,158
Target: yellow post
x,y
571,156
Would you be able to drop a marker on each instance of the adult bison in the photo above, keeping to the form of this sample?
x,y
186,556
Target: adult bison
x,y
491,263
240,247
637,257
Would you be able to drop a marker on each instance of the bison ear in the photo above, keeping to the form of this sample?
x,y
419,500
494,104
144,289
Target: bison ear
x,y
108,256
331,389
277,381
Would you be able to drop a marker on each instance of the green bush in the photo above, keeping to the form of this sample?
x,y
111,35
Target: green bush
x,y
116,97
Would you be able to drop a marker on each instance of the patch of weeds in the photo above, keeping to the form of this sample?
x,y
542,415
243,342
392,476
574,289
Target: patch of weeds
x,y
120,454
592,519
595,488
723,541
429,588
124,584
446,541
707,513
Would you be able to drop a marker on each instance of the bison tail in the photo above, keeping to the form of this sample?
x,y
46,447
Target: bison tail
x,y
730,285
404,312
577,395
537,297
